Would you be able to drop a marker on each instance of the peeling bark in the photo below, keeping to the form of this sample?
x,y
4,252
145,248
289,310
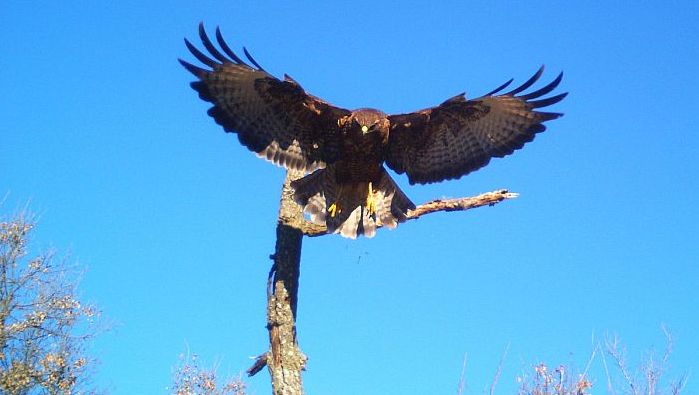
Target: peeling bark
x,y
285,360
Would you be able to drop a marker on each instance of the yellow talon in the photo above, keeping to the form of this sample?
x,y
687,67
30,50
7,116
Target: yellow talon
x,y
370,202
332,210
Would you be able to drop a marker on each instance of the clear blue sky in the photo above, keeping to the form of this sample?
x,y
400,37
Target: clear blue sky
x,y
175,220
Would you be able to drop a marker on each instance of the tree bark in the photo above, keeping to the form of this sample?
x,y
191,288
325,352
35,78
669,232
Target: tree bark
x,y
285,360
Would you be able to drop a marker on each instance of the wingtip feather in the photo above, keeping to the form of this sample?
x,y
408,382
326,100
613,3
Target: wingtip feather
x,y
499,88
546,89
210,46
199,55
528,83
548,116
197,71
548,101
252,60
227,49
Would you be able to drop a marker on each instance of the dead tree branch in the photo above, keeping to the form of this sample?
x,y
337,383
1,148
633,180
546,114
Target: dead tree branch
x,y
460,204
285,360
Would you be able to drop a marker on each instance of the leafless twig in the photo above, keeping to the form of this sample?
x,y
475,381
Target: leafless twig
x,y
499,371
677,386
462,379
617,352
610,386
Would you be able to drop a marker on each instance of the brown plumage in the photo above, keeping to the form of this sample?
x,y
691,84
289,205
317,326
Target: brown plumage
x,y
348,188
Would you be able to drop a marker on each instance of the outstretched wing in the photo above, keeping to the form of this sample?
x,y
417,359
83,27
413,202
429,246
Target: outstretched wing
x,y
274,118
460,136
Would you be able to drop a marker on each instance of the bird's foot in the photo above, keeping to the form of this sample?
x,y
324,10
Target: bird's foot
x,y
370,202
333,210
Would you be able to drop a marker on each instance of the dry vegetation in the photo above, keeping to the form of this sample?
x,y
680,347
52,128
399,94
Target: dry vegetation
x,y
191,379
43,325
557,381
540,379
649,379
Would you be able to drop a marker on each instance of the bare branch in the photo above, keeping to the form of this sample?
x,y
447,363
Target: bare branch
x,y
614,349
610,387
462,378
459,204
653,369
677,387
462,204
260,363
499,371
668,346
583,382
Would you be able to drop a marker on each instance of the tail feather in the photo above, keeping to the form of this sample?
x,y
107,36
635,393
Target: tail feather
x,y
319,191
309,186
395,201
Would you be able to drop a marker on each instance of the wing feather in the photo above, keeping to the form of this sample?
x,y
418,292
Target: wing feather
x,y
499,88
460,136
276,119
226,48
527,84
210,47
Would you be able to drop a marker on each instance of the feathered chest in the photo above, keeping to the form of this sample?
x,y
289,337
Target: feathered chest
x,y
362,154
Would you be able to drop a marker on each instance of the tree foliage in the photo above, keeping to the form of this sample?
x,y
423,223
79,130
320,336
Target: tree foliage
x,y
43,325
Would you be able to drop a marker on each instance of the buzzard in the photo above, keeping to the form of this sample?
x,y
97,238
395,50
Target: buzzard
x,y
348,188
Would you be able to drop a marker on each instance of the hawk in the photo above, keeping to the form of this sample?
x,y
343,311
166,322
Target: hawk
x,y
348,188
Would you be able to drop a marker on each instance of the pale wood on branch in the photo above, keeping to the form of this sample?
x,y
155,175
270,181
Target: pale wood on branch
x,y
284,360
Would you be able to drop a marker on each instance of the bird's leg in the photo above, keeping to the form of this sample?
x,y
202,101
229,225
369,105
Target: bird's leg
x,y
334,209
370,202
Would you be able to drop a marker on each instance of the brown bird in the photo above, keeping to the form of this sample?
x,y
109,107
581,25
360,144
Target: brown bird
x,y
348,188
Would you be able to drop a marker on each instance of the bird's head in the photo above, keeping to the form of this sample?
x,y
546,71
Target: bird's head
x,y
368,120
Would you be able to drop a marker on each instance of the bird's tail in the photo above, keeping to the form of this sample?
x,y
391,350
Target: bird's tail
x,y
343,207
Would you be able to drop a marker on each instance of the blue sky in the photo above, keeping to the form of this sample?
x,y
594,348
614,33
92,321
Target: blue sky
x,y
174,220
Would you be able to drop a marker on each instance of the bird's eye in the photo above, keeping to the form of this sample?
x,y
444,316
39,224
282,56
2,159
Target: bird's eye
x,y
365,128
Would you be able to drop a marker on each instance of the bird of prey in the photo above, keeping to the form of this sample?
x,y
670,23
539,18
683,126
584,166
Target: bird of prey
x,y
348,188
